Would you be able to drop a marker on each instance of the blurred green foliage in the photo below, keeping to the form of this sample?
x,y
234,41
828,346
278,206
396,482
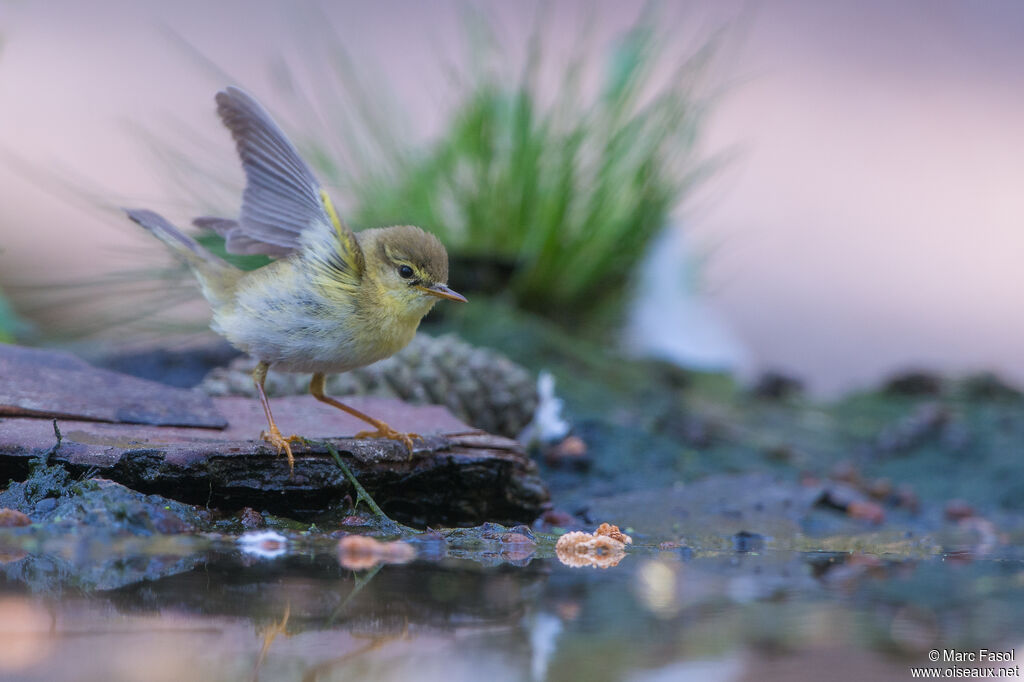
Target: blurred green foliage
x,y
560,194
215,243
9,322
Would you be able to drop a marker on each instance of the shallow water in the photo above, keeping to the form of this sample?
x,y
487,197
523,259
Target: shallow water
x,y
189,608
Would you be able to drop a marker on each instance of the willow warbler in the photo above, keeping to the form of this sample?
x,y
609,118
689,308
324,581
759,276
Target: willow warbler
x,y
333,300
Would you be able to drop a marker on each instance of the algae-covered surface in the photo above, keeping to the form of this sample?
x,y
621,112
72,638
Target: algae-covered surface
x,y
774,537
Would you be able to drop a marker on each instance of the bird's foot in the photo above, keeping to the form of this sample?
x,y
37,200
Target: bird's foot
x,y
282,444
385,431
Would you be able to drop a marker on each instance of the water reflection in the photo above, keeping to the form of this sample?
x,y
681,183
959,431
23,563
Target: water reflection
x,y
218,613
25,634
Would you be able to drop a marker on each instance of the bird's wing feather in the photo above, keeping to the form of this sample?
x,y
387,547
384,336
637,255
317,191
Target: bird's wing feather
x,y
235,239
283,206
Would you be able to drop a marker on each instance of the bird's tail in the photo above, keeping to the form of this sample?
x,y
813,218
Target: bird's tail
x,y
216,275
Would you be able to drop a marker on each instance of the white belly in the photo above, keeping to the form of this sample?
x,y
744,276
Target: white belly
x,y
303,334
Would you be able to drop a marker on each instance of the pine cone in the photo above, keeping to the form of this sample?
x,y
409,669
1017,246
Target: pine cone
x,y
481,387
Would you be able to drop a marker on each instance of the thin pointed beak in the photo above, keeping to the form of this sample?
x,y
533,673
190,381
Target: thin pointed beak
x,y
442,291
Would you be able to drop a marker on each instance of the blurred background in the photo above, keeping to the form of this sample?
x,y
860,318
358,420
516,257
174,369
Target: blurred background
x,y
830,191
847,202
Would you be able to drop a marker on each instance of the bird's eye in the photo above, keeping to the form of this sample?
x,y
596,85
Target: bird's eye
x,y
405,272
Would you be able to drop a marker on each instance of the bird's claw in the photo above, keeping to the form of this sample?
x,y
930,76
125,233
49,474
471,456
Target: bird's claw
x,y
385,431
282,444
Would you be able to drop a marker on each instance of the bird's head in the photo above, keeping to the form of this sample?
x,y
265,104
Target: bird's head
x,y
409,268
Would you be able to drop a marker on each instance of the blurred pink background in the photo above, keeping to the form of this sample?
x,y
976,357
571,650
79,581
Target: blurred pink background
x,y
872,220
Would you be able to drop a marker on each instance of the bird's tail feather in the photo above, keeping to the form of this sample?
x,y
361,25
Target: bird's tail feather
x,y
214,273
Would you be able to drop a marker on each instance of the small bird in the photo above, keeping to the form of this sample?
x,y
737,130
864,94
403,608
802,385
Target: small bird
x,y
333,299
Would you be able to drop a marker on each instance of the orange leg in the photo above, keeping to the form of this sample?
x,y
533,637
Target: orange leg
x,y
273,436
316,387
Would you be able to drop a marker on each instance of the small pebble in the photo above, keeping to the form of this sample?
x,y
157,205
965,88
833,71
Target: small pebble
x,y
745,541
46,504
879,488
251,519
517,547
523,530
868,511
571,452
516,539
558,518
491,531
958,510
9,518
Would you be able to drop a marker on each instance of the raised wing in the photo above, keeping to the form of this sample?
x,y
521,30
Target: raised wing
x,y
284,208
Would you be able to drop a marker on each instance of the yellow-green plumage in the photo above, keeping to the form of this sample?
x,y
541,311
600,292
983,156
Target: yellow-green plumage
x,y
297,315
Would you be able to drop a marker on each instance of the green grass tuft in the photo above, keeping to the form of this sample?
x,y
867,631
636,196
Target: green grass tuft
x,y
564,194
